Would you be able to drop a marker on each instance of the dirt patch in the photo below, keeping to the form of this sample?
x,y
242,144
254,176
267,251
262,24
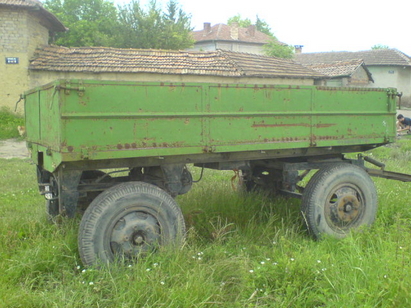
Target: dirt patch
x,y
13,148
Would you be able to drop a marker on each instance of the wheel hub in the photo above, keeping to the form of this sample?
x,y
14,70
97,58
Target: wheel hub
x,y
347,208
135,233
344,208
138,239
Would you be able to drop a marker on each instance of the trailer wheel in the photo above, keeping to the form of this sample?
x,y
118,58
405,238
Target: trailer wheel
x,y
127,221
337,199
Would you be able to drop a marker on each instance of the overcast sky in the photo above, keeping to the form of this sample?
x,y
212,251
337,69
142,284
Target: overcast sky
x,y
319,25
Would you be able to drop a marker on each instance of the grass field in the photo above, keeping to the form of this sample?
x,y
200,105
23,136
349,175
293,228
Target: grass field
x,y
241,251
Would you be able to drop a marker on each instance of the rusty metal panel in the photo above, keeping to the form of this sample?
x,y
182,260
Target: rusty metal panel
x,y
87,120
120,120
353,116
263,117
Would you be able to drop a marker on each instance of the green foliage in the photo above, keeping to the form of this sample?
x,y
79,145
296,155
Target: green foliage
x,y
242,250
379,46
260,24
275,49
90,22
242,23
263,26
152,28
8,124
100,23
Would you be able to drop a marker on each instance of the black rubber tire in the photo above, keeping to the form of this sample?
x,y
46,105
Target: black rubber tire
x,y
127,221
337,199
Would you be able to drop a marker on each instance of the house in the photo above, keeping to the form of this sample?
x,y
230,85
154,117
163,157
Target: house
x,y
388,67
353,73
232,38
28,60
25,25
221,66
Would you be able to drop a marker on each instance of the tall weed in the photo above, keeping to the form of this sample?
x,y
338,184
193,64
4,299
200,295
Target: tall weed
x,y
8,124
242,250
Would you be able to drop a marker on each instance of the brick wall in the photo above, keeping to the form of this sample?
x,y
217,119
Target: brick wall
x,y
20,34
12,30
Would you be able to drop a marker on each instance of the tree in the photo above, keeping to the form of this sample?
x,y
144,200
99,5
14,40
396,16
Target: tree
x,y
243,23
262,26
90,22
153,28
379,46
274,47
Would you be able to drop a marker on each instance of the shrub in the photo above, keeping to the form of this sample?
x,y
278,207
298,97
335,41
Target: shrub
x,y
8,123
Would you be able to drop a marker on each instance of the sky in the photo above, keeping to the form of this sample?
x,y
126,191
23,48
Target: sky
x,y
318,25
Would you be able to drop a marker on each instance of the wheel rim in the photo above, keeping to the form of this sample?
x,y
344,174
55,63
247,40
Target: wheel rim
x,y
134,233
344,207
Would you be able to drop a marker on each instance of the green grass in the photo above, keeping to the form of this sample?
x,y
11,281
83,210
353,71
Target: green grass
x,y
8,124
241,251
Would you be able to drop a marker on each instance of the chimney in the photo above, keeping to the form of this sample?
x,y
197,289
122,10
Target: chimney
x,y
207,27
298,48
251,30
234,31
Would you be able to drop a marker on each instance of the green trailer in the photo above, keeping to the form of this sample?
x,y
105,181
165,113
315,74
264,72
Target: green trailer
x,y
79,131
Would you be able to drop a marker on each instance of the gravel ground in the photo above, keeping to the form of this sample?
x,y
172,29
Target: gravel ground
x,y
13,148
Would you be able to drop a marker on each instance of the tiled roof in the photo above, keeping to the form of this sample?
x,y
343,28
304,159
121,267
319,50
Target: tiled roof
x,y
22,3
212,63
371,57
339,68
50,21
222,32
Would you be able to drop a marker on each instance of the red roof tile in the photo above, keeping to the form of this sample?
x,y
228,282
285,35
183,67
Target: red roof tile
x,y
339,68
118,60
370,57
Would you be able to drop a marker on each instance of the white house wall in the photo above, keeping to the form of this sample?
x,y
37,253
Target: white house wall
x,y
393,77
228,45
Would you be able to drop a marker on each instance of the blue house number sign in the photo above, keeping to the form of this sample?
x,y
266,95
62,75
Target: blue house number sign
x,y
12,60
